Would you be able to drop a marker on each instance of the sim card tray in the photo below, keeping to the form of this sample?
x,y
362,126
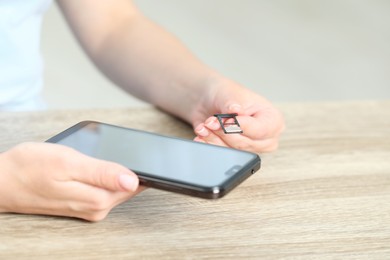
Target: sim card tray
x,y
229,128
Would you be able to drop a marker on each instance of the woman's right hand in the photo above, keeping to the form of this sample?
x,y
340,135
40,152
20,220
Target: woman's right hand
x,y
51,179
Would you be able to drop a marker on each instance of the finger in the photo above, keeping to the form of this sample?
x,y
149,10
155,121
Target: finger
x,y
231,106
92,203
211,132
242,142
201,130
106,175
260,126
269,118
256,128
250,126
199,140
211,123
258,121
211,138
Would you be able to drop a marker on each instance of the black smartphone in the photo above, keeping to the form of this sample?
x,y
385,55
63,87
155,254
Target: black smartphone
x,y
163,162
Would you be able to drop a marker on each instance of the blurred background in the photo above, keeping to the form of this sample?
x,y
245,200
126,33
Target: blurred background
x,y
301,50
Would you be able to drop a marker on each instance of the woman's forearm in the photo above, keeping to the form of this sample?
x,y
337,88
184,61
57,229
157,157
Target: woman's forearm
x,y
151,64
144,59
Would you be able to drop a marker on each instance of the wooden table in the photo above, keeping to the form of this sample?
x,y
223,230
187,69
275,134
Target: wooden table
x,y
324,194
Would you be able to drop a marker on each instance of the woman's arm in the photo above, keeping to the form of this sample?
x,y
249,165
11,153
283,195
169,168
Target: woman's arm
x,y
153,65
138,55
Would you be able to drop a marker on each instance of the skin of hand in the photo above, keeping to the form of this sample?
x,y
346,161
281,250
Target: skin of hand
x,y
51,179
260,121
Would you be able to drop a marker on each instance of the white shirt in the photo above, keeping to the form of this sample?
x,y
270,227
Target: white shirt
x,y
21,66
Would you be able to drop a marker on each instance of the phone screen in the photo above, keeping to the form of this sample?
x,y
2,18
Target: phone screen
x,y
155,158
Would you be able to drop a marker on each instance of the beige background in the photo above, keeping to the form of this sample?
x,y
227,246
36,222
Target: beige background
x,y
287,50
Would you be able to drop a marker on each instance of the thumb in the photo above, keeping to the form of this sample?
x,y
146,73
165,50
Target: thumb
x,y
108,175
231,107
225,101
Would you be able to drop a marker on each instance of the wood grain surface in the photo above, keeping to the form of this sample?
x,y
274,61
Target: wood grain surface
x,y
325,194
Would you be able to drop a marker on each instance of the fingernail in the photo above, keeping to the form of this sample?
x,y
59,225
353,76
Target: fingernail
x,y
202,131
128,182
234,108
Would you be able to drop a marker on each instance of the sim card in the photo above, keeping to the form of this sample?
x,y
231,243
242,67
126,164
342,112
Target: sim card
x,y
229,127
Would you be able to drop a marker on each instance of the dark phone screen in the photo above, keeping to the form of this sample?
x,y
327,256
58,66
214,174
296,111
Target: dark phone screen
x,y
159,156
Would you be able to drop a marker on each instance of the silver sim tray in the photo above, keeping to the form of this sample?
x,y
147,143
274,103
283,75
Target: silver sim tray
x,y
229,127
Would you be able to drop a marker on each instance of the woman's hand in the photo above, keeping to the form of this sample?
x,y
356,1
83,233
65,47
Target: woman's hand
x,y
260,121
51,179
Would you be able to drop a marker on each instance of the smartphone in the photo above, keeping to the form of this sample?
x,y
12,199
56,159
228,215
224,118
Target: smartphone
x,y
168,163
